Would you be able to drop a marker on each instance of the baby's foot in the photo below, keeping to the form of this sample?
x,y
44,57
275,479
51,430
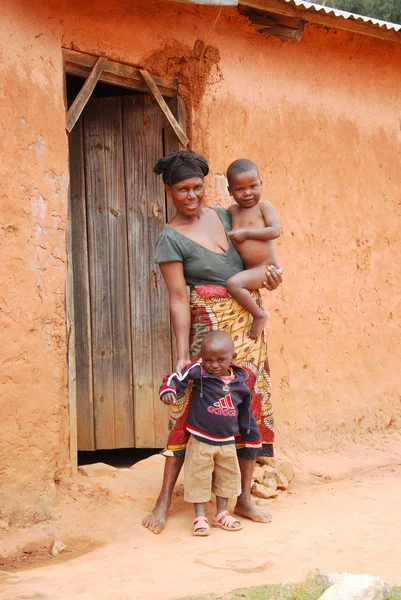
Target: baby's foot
x,y
258,325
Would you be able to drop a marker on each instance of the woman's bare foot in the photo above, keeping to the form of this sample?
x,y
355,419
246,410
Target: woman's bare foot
x,y
245,508
156,520
258,325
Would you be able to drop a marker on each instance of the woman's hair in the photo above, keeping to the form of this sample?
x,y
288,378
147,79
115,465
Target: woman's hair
x,y
181,165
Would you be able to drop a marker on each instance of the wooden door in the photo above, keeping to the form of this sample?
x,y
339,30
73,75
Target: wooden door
x,y
121,315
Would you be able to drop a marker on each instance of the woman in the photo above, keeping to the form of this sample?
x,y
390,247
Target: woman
x,y
194,250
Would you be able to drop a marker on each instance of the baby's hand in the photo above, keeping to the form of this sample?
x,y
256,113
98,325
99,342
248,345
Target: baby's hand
x,y
238,235
168,398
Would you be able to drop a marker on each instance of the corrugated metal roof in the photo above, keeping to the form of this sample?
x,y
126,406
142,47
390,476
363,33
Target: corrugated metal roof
x,y
341,14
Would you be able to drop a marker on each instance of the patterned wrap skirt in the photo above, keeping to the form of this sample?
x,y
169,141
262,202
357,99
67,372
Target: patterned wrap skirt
x,y
212,308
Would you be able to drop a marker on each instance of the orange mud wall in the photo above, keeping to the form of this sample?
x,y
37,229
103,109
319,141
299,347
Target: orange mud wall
x,y
320,118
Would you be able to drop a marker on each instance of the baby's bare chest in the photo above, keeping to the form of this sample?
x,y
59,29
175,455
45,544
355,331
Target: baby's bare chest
x,y
250,218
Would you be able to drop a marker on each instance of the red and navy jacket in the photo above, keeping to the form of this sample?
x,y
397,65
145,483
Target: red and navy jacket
x,y
216,414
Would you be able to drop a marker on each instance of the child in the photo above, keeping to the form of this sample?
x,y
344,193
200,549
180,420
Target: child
x,y
220,407
254,227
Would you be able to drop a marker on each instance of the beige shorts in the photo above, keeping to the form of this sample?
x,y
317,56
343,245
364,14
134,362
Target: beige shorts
x,y
210,469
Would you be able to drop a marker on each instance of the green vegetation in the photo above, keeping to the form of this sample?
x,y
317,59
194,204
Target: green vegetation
x,y
311,589
387,10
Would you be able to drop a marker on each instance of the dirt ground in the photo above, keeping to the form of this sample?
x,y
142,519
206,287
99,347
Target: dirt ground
x,y
342,513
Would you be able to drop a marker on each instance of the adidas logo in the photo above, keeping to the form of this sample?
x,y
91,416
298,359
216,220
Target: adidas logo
x,y
223,407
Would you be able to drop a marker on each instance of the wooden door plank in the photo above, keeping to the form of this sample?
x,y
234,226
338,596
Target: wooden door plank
x,y
165,109
85,93
72,372
81,314
159,306
98,238
146,218
140,281
119,274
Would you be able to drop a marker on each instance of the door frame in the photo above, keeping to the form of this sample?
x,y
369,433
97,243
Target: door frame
x,y
94,69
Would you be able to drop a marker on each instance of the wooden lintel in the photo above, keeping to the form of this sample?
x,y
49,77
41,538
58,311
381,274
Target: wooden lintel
x,y
80,101
115,73
284,33
165,109
286,28
322,18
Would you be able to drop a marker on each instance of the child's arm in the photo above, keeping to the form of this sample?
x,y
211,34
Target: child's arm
x,y
247,425
271,231
177,384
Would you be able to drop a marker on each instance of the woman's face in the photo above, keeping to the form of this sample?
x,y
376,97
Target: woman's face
x,y
187,195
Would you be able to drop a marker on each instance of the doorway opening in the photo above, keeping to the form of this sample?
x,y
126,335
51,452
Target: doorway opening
x,y
121,319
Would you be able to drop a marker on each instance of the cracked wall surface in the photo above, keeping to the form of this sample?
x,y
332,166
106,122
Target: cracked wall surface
x,y
320,118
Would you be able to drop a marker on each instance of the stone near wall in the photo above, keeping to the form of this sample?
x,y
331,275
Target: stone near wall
x,y
264,501
282,481
262,491
271,484
286,468
346,586
57,548
4,524
258,474
269,472
98,470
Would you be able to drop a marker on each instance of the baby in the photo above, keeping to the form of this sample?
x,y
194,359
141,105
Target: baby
x,y
255,226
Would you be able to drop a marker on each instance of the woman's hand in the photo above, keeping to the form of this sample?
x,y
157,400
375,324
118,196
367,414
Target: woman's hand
x,y
182,362
168,398
238,235
273,278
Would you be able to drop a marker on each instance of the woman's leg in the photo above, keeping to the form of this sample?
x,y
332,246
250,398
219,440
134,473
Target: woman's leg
x,y
238,287
244,506
156,520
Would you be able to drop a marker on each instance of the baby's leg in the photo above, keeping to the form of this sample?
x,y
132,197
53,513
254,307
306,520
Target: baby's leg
x,y
238,287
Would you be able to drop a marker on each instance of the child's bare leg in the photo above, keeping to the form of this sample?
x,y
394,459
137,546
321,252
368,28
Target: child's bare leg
x,y
199,512
238,287
221,507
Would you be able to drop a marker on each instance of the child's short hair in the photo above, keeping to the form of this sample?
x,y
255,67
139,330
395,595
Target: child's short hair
x,y
218,337
241,165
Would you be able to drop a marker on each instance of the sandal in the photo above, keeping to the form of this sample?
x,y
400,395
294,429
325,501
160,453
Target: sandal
x,y
225,521
201,523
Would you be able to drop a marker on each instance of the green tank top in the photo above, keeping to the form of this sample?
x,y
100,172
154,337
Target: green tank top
x,y
201,265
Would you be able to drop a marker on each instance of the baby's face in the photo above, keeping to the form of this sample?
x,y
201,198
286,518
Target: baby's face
x,y
246,188
217,359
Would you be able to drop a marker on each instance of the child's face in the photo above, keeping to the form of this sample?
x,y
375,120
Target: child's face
x,y
217,359
246,188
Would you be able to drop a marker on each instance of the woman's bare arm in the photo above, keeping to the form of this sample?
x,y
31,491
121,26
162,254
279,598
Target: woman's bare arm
x,y
173,275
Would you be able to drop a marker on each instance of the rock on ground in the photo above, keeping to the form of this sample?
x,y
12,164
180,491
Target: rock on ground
x,y
262,491
98,470
57,548
346,586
